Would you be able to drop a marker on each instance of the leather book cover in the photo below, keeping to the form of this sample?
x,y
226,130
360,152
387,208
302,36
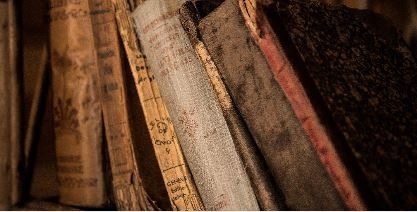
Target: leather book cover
x,y
353,86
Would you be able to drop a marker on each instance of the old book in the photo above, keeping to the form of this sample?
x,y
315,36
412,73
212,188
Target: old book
x,y
267,194
10,108
128,189
195,111
152,180
288,153
178,180
77,109
402,15
353,88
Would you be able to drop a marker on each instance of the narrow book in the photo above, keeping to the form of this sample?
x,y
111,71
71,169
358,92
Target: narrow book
x,y
10,108
128,189
77,108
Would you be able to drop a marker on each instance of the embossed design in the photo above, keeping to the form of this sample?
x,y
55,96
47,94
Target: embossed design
x,y
65,119
77,107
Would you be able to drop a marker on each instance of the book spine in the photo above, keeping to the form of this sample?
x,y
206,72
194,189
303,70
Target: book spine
x,y
10,134
284,74
195,111
77,110
262,182
177,177
128,191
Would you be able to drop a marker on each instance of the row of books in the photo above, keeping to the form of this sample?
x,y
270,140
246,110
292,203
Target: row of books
x,y
222,105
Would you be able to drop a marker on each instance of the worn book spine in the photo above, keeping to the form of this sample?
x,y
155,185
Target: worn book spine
x,y
177,177
77,108
195,111
261,180
10,134
288,153
355,107
283,71
128,191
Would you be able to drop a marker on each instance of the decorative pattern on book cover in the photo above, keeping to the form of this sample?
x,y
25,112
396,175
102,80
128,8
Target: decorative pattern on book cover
x,y
77,110
201,128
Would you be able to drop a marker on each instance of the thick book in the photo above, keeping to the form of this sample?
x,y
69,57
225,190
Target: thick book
x,y
10,108
202,131
287,151
77,107
352,87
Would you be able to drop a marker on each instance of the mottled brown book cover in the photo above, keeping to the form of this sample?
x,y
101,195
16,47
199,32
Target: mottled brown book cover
x,y
262,104
352,85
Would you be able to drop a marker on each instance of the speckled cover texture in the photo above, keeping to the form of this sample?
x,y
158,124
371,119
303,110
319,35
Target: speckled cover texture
x,y
364,84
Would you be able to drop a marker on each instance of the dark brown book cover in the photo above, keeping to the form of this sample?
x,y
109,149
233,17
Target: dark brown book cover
x,y
353,85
